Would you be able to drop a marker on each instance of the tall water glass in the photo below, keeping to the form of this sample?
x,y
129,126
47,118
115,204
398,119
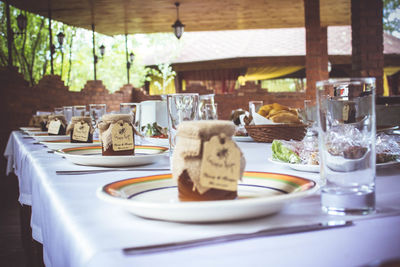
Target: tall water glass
x,y
97,111
59,111
255,105
79,110
68,111
210,112
180,107
346,126
203,100
132,109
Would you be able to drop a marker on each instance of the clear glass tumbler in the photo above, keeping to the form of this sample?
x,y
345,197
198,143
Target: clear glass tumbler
x,y
180,107
255,105
79,110
68,111
203,101
346,128
132,109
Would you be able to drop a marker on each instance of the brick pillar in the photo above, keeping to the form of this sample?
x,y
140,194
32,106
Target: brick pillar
x,y
316,48
367,40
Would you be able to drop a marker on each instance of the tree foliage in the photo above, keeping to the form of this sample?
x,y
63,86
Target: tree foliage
x,y
391,21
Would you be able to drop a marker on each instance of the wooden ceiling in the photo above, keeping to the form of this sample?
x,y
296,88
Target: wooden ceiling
x,y
113,17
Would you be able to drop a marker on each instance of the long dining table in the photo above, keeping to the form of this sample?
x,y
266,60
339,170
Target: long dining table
x,y
77,228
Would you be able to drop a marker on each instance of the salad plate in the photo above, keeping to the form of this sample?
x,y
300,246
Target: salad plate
x,y
156,197
91,156
66,143
297,166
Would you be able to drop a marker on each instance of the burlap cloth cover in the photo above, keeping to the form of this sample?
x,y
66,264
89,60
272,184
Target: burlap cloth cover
x,y
55,118
189,148
37,119
106,124
82,119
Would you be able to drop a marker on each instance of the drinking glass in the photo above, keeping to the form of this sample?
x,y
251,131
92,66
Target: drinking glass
x,y
79,110
58,111
346,125
203,100
180,107
210,112
255,105
132,109
97,111
68,111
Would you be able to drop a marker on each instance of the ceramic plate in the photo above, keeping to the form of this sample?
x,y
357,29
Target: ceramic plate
x,y
91,156
158,141
25,129
297,167
156,197
36,133
46,137
242,138
65,143
387,164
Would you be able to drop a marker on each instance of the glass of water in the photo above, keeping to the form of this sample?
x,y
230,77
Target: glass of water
x,y
132,109
97,111
346,129
180,107
68,113
79,110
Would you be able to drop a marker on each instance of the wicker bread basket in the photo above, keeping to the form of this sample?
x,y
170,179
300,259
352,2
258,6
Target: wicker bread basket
x,y
267,133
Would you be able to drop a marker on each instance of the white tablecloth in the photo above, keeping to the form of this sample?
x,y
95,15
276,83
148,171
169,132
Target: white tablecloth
x,y
78,229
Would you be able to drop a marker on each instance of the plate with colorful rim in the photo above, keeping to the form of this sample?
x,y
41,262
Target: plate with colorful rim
x,y
297,167
66,143
30,129
156,197
46,137
36,133
91,156
239,138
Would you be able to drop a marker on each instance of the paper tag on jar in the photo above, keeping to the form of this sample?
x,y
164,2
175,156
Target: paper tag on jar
x,y
122,137
81,132
54,127
220,165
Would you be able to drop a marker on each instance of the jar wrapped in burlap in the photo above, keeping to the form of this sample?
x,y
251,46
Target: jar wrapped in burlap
x,y
106,125
187,159
83,120
62,120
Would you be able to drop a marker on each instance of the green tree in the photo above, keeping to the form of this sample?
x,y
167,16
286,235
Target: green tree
x,y
391,23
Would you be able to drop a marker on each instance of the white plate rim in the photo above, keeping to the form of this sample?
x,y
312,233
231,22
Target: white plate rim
x,y
279,200
112,161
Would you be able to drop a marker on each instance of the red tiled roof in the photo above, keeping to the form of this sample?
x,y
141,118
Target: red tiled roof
x,y
212,45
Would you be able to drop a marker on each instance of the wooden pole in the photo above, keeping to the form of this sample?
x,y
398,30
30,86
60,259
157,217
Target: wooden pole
x,y
10,35
51,43
128,63
94,54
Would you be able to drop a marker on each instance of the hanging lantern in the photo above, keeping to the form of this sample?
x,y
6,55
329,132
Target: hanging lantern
x,y
132,57
178,26
21,22
102,50
60,38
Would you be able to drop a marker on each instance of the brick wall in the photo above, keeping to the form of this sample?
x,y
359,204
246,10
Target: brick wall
x,y
20,101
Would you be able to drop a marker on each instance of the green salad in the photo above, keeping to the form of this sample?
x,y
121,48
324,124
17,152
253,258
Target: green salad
x,y
284,153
